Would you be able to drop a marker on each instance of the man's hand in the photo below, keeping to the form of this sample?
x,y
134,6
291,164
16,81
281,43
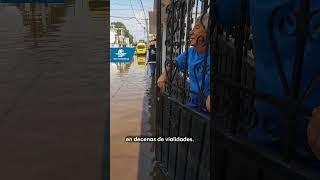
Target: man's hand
x,y
208,103
162,82
314,132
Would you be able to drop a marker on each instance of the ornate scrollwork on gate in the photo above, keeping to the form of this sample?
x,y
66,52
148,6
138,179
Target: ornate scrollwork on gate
x,y
297,23
180,20
289,38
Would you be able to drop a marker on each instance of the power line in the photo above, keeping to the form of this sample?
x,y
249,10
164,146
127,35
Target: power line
x,y
126,17
143,9
144,13
117,3
113,9
135,15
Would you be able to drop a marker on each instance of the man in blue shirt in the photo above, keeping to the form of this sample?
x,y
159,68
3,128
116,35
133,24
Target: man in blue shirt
x,y
196,57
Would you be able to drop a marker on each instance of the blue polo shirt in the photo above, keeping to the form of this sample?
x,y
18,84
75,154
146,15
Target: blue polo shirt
x,y
195,69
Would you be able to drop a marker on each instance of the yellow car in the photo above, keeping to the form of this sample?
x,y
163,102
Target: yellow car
x,y
141,48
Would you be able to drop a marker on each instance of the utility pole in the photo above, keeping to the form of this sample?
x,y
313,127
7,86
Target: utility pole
x,y
147,31
146,19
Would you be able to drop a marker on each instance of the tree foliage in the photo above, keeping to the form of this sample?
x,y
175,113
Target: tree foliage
x,y
126,31
134,44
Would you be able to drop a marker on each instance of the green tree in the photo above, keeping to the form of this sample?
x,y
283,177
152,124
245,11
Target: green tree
x,y
126,31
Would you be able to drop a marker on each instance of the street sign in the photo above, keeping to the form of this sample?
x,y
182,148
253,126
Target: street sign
x,y
121,54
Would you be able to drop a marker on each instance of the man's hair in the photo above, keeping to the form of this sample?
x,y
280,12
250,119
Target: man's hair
x,y
204,20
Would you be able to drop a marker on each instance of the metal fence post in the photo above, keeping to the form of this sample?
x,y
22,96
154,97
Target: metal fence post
x,y
158,72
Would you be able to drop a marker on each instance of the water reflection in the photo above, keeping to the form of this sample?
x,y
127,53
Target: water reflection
x,y
52,84
41,19
132,113
123,67
141,61
98,6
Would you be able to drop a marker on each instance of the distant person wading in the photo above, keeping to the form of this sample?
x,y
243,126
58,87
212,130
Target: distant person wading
x,y
152,55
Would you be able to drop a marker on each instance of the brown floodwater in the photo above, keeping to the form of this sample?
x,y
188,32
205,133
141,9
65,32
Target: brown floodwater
x,y
132,114
53,91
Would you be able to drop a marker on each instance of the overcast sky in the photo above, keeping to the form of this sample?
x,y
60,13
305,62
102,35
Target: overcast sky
x,y
121,10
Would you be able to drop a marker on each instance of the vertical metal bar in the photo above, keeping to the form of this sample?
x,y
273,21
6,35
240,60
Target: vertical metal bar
x,y
159,40
181,27
189,8
181,37
239,40
302,21
300,44
212,44
197,9
158,71
214,56
204,6
204,68
170,75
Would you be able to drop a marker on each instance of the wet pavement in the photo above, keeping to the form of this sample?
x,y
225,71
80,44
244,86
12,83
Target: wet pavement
x,y
53,85
132,114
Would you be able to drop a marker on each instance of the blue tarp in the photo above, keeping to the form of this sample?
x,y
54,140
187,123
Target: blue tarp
x,y
121,54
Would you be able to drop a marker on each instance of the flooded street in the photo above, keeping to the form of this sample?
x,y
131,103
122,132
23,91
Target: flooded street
x,y
53,85
53,105
132,114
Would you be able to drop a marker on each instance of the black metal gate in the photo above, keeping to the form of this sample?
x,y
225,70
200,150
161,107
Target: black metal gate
x,y
235,155
175,118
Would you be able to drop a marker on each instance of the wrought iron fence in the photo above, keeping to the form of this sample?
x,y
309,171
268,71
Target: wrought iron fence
x,y
181,16
181,108
246,103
